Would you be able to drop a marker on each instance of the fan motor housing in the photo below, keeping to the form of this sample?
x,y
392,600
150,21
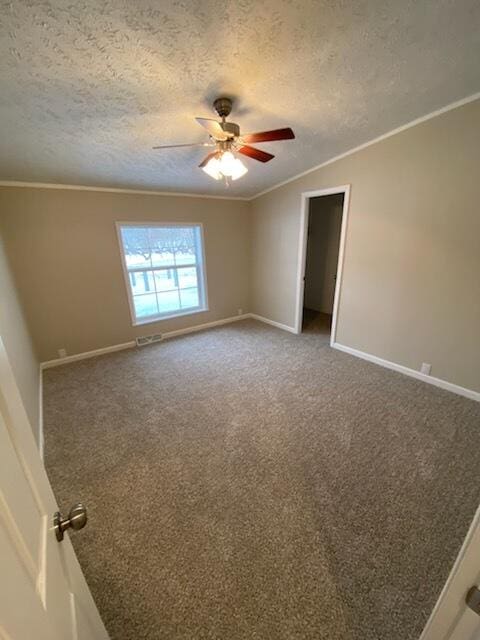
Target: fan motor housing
x,y
231,127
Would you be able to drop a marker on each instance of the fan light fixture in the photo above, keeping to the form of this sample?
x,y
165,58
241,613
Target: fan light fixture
x,y
225,166
226,141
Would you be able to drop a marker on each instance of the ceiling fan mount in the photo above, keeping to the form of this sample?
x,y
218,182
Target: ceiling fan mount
x,y
227,140
223,106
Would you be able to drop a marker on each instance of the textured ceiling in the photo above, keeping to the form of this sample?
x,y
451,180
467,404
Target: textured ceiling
x,y
88,86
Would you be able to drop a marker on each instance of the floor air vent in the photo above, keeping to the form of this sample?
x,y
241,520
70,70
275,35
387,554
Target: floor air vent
x,y
143,340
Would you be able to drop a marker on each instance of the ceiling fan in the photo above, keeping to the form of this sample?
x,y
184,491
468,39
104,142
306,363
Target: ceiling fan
x,y
226,139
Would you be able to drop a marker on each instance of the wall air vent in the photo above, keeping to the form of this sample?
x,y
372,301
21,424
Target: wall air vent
x,y
144,340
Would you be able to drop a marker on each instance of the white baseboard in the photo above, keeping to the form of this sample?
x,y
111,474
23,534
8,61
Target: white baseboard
x,y
206,325
86,354
128,345
437,382
273,323
168,334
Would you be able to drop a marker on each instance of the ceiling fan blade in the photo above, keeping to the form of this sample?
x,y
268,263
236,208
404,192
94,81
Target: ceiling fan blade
x,y
269,136
207,159
256,154
214,128
175,146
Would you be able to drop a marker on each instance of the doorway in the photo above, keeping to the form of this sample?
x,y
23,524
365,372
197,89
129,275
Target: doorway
x,y
322,238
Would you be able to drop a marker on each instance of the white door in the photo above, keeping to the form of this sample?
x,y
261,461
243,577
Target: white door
x,y
43,594
452,619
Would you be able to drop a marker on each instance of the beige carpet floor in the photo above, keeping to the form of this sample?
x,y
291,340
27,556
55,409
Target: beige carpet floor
x,y
246,483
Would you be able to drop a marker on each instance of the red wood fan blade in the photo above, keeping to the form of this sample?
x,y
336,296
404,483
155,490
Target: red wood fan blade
x,y
207,159
256,154
269,136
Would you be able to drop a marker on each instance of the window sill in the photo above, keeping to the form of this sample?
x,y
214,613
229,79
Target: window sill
x,y
155,319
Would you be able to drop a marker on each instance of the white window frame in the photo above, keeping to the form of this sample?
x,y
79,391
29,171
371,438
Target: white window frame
x,y
201,273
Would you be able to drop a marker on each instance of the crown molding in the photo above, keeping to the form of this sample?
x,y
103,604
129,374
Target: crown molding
x,y
77,187
384,136
389,134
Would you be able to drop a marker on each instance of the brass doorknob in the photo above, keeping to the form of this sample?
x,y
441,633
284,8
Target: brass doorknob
x,y
77,519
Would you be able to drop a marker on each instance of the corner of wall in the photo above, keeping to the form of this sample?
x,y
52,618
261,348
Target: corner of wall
x,y
41,440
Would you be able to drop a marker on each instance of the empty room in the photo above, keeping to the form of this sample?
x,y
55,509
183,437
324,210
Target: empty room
x,y
239,320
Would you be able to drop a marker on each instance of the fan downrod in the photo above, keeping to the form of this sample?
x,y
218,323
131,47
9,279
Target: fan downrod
x,y
223,107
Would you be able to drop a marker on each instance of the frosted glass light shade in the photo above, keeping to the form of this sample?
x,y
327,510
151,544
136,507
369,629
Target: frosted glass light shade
x,y
227,163
212,168
226,166
239,169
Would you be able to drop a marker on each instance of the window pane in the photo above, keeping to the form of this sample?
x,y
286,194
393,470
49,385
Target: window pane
x,y
137,260
136,245
145,305
166,279
159,281
170,243
187,277
186,258
162,259
189,298
141,282
168,301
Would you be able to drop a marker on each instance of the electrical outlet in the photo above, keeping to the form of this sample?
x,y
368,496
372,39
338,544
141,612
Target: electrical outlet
x,y
426,368
240,312
62,353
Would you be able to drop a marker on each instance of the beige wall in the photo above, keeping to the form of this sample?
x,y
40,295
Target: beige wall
x,y
323,243
18,344
410,293
411,286
64,252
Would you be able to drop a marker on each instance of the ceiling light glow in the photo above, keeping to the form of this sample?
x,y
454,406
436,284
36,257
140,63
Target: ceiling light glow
x,y
212,168
227,163
239,169
225,166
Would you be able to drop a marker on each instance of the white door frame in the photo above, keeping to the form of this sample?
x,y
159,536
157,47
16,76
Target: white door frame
x,y
302,254
451,619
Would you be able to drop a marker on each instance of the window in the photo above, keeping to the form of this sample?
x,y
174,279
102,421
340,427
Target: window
x,y
164,269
